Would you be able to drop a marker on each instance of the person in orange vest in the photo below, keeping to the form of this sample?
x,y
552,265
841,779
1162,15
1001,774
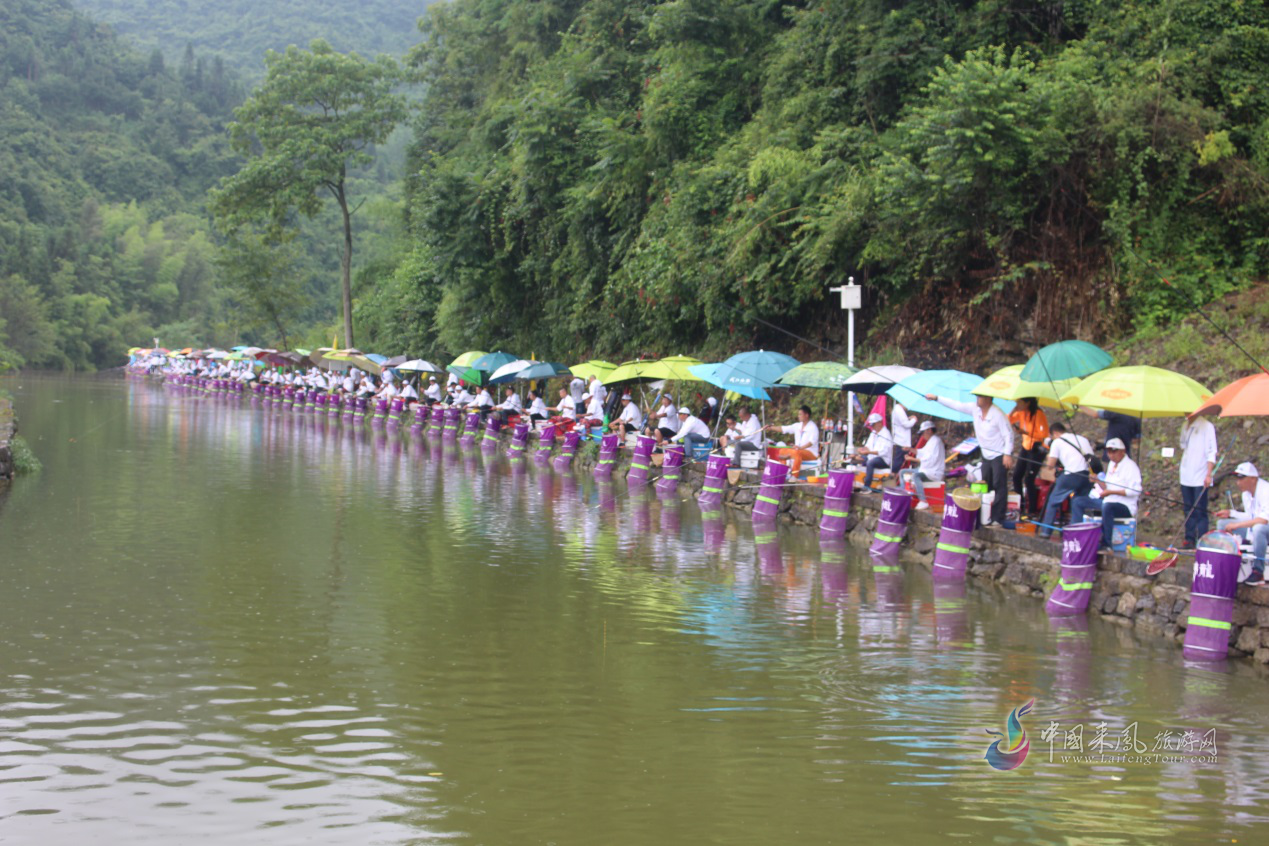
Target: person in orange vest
x,y
1033,425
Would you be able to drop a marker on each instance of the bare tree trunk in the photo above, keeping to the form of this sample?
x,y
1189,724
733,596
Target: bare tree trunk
x,y
346,262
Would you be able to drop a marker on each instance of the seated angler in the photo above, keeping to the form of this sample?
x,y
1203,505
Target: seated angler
x,y
663,421
630,420
877,451
747,435
460,398
806,441
482,402
510,405
408,393
692,431
594,410
567,407
433,392
1252,524
1116,496
931,458
537,408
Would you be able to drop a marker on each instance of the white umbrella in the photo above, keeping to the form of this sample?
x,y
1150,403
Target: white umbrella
x,y
878,379
418,365
509,370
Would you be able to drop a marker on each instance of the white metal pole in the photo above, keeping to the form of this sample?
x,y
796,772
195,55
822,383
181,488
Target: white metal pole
x,y
850,395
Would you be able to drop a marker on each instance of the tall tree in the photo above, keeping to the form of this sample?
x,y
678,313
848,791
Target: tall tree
x,y
317,114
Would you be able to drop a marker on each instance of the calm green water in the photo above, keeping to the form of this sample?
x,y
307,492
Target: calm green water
x,y
231,625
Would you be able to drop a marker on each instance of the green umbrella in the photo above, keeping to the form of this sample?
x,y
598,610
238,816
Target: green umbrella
x,y
675,368
817,374
594,367
1065,360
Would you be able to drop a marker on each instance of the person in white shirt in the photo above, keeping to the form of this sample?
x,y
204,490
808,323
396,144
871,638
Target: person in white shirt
x,y
482,402
594,410
537,408
576,388
408,393
1117,495
386,391
433,392
748,437
877,451
664,420
902,424
995,441
460,398
567,409
931,464
806,440
597,391
349,385
511,402
1069,450
691,432
630,419
1198,461
365,388
1254,523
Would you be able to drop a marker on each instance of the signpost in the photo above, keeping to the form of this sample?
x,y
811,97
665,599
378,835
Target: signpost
x,y
852,298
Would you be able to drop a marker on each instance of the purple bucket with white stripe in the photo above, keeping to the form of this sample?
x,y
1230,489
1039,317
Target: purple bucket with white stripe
x,y
470,427
715,482
837,503
671,470
438,421
956,536
546,439
519,441
1079,570
896,505
766,505
565,457
489,439
450,430
1212,597
607,456
640,459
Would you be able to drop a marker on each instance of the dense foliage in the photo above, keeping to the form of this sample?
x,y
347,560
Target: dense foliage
x,y
625,174
242,31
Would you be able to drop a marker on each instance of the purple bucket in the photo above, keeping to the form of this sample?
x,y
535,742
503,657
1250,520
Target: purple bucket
x,y
607,456
288,396
715,482
437,420
321,402
421,413
565,457
1212,599
951,620
310,399
519,441
381,408
361,405
896,504
671,470
450,430
489,440
956,536
836,514
546,439
640,459
766,505
1079,570
398,405
332,405
470,425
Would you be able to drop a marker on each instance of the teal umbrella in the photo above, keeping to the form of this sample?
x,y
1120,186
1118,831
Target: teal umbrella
x,y
477,373
952,384
1066,360
817,374
749,373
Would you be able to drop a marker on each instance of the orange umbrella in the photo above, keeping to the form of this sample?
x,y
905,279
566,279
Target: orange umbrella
x,y
1248,397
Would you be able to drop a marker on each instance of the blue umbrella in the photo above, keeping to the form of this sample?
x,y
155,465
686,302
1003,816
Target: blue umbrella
x,y
749,373
952,384
376,358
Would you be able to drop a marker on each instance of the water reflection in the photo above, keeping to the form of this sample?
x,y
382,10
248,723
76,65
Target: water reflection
x,y
274,624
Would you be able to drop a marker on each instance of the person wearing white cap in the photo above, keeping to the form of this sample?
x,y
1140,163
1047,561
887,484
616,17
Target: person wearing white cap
x,y
462,398
1198,462
408,393
931,461
1116,495
1252,524
995,442
433,392
691,432
594,409
630,419
878,449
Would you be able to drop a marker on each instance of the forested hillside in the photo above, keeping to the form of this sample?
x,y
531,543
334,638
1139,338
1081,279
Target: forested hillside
x,y
242,30
106,156
618,174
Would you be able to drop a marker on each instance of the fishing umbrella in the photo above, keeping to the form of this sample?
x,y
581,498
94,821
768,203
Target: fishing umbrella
x,y
879,378
531,370
1066,360
418,365
632,371
509,371
755,369
381,360
817,374
710,373
467,358
951,384
1248,397
477,372
594,367
1140,391
1007,384
341,360
395,361
676,368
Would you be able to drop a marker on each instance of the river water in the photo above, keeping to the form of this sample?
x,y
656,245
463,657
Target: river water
x,y
227,624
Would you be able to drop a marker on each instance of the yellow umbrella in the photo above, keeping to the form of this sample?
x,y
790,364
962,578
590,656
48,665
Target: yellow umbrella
x,y
594,367
631,371
676,368
1007,383
466,359
1139,391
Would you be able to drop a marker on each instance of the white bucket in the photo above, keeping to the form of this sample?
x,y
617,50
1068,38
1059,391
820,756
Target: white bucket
x,y
750,459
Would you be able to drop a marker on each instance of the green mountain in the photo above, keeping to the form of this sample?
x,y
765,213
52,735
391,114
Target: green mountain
x,y
626,175
242,30
107,155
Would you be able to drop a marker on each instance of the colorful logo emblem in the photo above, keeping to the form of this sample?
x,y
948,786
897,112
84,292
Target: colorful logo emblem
x,y
1011,749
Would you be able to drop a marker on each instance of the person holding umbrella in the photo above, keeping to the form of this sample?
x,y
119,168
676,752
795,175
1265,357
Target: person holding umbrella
x,y
995,441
